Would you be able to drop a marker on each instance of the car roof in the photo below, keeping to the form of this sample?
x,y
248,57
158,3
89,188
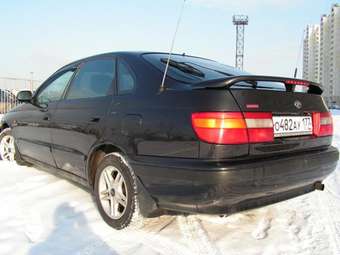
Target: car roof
x,y
138,53
127,53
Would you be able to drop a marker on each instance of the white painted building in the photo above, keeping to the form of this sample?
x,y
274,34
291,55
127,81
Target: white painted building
x,y
311,53
321,58
325,44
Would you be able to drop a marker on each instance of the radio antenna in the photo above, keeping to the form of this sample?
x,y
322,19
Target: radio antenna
x,y
172,46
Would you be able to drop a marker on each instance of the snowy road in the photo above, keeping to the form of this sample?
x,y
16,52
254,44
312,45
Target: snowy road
x,y
43,214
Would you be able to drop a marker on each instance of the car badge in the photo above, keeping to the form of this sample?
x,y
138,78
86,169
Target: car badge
x,y
298,104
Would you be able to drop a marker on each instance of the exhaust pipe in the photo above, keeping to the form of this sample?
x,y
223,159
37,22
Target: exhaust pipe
x,y
319,186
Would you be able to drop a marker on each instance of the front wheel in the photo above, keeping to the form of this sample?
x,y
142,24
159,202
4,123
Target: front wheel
x,y
8,149
115,192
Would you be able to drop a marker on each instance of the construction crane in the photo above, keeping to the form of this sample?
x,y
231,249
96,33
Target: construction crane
x,y
240,21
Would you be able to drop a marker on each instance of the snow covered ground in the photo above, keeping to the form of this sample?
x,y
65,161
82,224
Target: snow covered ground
x,y
42,214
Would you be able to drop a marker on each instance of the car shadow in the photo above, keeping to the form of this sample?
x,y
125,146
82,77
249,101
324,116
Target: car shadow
x,y
71,235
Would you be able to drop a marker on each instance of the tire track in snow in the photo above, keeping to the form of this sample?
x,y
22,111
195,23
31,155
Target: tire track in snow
x,y
330,207
305,228
157,243
148,237
263,226
196,236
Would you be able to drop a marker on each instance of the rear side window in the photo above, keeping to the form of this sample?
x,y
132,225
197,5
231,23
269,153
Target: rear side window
x,y
126,79
94,79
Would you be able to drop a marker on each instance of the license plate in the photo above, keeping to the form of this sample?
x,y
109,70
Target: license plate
x,y
292,125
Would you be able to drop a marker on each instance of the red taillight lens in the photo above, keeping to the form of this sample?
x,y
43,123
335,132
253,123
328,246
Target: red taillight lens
x,y
260,127
220,127
233,127
322,124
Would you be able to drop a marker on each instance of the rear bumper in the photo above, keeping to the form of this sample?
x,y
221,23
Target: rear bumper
x,y
225,187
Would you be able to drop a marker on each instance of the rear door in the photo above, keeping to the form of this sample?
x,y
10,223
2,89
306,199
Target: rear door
x,y
78,122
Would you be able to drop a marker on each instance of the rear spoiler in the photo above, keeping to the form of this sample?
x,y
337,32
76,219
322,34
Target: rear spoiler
x,y
314,88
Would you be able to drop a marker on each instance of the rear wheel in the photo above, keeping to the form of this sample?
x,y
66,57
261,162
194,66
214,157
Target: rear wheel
x,y
115,193
8,149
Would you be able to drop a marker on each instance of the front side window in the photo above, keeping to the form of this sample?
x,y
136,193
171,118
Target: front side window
x,y
126,79
54,91
94,79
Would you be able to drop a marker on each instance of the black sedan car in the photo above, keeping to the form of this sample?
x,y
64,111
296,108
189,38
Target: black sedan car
x,y
211,139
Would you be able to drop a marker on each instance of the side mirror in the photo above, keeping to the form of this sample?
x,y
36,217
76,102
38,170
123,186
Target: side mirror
x,y
24,96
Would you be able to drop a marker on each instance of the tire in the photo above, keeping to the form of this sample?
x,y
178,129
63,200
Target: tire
x,y
7,134
120,216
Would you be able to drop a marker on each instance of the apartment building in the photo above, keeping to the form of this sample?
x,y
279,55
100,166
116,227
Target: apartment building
x,y
321,55
311,53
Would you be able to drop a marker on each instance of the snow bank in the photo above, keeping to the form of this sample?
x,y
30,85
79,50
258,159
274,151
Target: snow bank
x,y
43,214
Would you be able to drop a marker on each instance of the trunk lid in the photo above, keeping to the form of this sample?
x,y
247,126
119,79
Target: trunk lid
x,y
281,103
287,100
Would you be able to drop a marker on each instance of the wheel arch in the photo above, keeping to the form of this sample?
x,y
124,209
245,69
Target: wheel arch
x,y
95,156
147,205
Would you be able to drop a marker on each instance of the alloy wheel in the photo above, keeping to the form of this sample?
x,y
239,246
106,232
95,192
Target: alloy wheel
x,y
7,148
112,192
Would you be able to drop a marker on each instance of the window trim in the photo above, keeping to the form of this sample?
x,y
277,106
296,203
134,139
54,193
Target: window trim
x,y
128,92
78,68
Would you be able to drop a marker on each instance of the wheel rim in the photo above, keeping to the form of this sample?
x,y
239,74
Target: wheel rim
x,y
112,192
7,148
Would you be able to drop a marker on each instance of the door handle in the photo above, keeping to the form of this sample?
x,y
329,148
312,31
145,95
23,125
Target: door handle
x,y
46,118
95,119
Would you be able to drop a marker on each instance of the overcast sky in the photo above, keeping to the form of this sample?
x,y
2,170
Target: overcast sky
x,y
41,36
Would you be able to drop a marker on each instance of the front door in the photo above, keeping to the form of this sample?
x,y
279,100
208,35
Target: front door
x,y
32,128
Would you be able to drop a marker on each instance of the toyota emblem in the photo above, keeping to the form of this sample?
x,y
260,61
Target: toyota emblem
x,y
298,104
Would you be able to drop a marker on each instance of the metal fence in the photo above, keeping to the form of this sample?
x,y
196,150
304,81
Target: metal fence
x,y
9,88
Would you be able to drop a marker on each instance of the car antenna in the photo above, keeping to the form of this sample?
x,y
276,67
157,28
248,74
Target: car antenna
x,y
172,47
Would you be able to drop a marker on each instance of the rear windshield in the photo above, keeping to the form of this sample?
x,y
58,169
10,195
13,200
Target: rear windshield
x,y
191,69
194,70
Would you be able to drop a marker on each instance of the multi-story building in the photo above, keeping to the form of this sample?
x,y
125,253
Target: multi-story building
x,y
321,56
311,53
325,41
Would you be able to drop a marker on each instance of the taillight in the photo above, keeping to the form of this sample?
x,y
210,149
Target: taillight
x,y
220,127
233,127
322,124
260,127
